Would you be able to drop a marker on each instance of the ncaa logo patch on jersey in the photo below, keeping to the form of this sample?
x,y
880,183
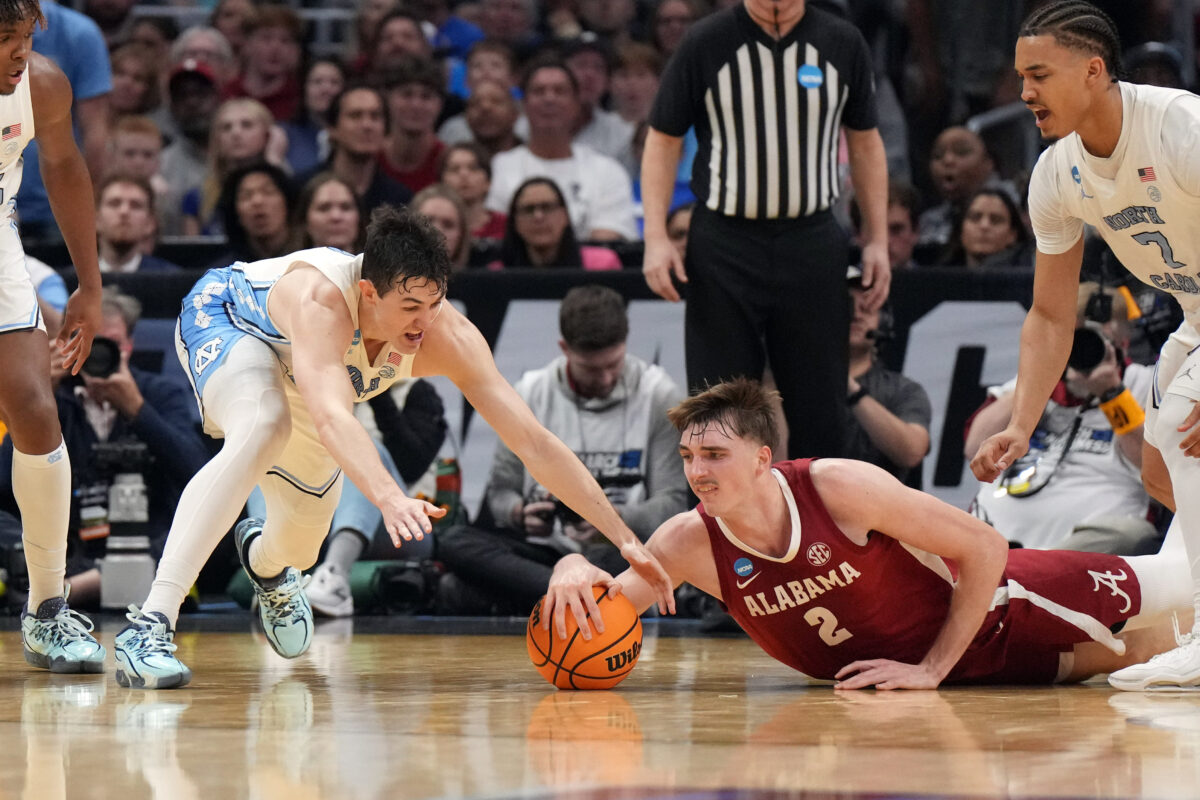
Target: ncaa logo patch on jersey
x,y
810,77
743,567
818,554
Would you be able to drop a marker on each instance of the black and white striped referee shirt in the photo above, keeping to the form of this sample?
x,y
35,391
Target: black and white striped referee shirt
x,y
767,113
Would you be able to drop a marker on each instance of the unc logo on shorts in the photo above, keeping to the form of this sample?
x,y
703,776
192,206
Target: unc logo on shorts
x,y
810,77
818,554
743,567
207,354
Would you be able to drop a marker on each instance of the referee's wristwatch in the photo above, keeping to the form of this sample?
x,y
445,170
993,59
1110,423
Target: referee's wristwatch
x,y
852,400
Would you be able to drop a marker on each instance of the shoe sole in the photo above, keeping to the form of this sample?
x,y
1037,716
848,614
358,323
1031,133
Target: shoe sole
x,y
1150,684
135,681
62,666
341,609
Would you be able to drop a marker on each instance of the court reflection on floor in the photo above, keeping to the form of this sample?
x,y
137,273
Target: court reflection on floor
x,y
417,716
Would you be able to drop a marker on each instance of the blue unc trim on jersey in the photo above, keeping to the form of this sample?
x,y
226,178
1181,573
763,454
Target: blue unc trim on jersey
x,y
743,567
810,76
222,307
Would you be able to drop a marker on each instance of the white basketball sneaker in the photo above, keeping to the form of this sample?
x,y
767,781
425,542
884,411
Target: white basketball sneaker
x,y
1177,668
329,592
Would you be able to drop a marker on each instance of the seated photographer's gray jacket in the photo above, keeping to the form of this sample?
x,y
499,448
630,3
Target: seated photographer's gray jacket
x,y
625,439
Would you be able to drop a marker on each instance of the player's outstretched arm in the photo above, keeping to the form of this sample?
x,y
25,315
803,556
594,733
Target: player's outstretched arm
x,y
460,352
320,327
1045,344
863,498
69,189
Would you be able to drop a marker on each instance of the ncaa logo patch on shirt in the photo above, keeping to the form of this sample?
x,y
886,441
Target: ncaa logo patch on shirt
x,y
743,567
810,77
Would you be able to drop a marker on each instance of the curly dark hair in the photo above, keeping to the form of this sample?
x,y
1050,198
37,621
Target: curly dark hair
x,y
14,11
403,246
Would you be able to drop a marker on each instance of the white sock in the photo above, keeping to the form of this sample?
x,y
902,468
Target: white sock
x,y
42,487
1185,478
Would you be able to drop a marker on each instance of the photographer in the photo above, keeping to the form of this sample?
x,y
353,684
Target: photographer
x,y
118,421
610,408
1079,487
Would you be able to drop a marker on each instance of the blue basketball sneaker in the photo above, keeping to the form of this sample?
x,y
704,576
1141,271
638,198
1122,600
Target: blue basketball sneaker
x,y
283,608
145,653
59,639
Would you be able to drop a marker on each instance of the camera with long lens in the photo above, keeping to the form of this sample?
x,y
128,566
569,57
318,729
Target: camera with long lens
x,y
104,359
1087,349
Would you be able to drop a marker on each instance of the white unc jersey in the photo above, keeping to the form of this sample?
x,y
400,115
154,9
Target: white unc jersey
x,y
16,131
1132,199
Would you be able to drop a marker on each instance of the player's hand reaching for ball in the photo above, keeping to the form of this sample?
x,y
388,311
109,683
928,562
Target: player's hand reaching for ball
x,y
406,518
570,590
999,452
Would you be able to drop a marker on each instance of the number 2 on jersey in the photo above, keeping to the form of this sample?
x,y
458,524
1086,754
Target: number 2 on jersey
x,y
1156,237
829,632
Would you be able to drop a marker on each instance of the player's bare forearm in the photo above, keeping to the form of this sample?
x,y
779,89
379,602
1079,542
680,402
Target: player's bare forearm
x,y
1046,335
69,190
868,173
660,162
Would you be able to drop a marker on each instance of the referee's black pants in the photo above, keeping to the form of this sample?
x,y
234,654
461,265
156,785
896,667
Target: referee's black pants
x,y
773,291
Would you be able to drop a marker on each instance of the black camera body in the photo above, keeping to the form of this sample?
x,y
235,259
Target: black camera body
x,y
1087,348
104,359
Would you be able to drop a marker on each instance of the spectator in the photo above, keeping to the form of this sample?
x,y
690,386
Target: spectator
x,y
590,60
415,93
128,421
401,39
1079,487
408,424
307,136
1156,64
441,206
635,82
257,203
73,42
233,19
208,46
538,233
672,18
112,17
366,32
903,206
241,134
136,149
136,81
455,36
610,408
611,20
329,214
126,226
992,234
513,22
194,96
271,61
890,415
489,60
960,166
492,117
600,197
358,125
467,170
156,34
679,222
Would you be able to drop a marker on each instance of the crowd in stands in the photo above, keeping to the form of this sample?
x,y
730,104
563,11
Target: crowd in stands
x,y
517,128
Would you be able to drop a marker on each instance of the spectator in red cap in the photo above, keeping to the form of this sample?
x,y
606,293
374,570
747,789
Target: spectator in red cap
x,y
194,95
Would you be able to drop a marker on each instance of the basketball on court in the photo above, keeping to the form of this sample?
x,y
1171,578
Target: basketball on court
x,y
577,663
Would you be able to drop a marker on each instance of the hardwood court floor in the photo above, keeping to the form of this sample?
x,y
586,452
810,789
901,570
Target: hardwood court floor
x,y
431,715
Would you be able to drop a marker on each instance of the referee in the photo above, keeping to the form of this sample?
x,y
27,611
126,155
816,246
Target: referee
x,y
768,85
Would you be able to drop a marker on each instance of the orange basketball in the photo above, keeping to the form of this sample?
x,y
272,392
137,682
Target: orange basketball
x,y
577,663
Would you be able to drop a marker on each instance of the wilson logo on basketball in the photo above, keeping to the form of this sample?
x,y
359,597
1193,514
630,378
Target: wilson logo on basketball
x,y
621,659
818,554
